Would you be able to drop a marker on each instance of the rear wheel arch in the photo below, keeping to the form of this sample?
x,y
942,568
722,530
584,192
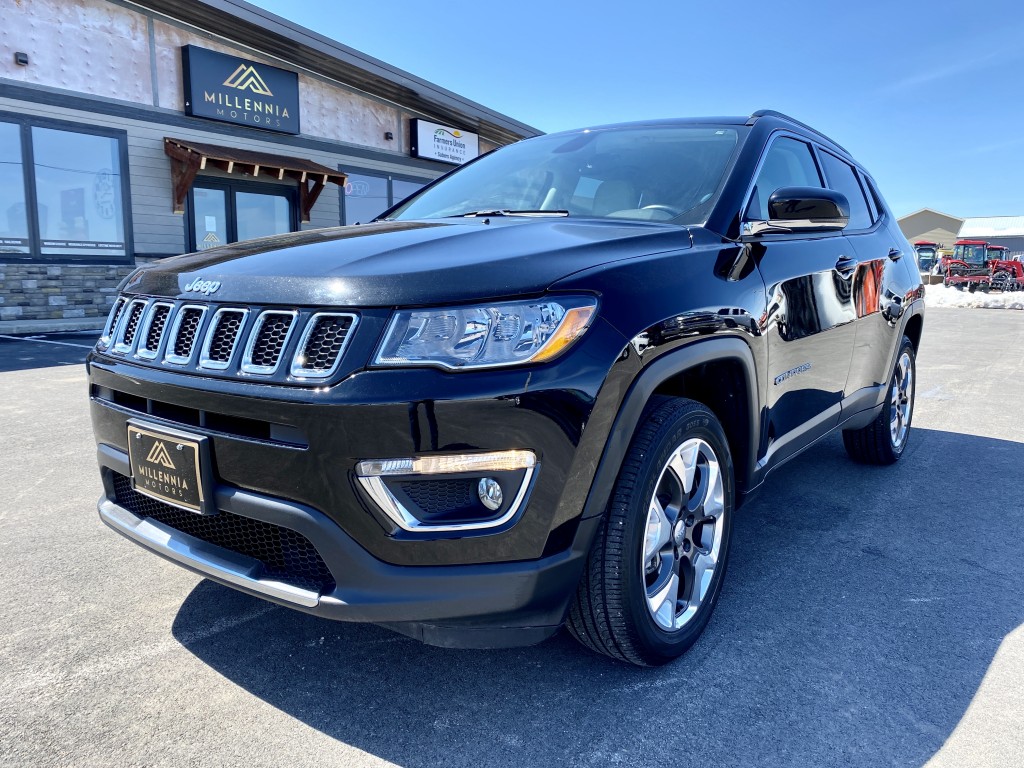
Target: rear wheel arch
x,y
913,330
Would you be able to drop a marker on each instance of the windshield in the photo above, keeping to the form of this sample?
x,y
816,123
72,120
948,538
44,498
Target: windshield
x,y
926,253
651,173
971,254
997,253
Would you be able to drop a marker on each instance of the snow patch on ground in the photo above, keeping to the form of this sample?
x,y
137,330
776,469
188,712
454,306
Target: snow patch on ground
x,y
944,296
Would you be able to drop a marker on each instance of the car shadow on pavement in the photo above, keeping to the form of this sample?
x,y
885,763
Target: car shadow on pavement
x,y
22,353
862,608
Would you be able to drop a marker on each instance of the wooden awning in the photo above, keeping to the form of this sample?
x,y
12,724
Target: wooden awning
x,y
188,158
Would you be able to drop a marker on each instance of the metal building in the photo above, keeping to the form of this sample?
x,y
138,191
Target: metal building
x,y
931,226
1007,231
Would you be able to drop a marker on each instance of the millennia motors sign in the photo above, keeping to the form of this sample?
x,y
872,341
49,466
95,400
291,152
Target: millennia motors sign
x,y
444,143
233,90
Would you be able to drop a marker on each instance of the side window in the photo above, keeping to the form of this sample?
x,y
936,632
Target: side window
x,y
14,232
871,194
789,163
842,178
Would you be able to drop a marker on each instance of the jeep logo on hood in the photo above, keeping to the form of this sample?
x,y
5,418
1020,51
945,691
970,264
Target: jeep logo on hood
x,y
205,287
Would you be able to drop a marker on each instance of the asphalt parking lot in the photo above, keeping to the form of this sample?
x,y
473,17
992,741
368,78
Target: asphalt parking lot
x,y
871,616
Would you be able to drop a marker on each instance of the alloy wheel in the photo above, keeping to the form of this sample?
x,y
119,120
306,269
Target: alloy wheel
x,y
901,403
683,534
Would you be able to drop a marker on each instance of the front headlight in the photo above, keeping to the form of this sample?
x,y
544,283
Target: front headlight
x,y
485,335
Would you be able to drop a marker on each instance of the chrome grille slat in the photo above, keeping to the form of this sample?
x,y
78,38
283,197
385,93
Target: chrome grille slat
x,y
112,318
181,342
322,344
128,326
222,338
267,341
152,331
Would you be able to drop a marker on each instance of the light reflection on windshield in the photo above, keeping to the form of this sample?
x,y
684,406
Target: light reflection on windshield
x,y
654,173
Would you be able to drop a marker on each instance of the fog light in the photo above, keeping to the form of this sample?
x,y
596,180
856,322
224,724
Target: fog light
x,y
489,492
434,493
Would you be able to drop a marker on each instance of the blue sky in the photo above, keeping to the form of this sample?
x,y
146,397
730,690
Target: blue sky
x,y
929,95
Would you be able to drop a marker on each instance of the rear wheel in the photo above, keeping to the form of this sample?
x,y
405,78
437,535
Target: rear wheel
x,y
655,571
884,440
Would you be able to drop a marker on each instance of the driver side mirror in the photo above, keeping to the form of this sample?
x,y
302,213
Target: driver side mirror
x,y
803,209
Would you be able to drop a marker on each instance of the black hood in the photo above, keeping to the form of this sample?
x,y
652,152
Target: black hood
x,y
406,263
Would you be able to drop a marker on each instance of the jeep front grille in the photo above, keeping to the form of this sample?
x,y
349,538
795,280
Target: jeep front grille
x,y
230,341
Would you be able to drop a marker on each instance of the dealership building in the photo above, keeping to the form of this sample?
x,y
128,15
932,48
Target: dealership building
x,y
132,131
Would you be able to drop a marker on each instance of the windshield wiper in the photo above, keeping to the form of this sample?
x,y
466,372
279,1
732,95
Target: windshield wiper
x,y
507,212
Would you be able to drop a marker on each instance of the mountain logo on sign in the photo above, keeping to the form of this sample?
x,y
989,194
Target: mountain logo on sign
x,y
158,455
246,77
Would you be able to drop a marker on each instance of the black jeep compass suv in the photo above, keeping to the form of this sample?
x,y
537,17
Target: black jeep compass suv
x,y
534,393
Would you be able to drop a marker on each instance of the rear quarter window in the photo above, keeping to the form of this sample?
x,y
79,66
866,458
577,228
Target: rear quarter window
x,y
842,178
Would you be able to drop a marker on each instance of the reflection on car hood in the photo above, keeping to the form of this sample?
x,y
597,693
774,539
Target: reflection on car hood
x,y
406,262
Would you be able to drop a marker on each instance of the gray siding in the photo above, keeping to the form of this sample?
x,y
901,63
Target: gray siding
x,y
159,231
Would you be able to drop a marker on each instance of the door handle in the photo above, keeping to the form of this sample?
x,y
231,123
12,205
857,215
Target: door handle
x,y
895,254
846,266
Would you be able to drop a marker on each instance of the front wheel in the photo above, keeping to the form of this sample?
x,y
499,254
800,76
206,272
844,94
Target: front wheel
x,y
884,440
656,567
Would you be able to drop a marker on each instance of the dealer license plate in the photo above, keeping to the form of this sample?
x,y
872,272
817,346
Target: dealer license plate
x,y
167,465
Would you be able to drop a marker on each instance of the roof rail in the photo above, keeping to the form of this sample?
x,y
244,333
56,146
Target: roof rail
x,y
772,113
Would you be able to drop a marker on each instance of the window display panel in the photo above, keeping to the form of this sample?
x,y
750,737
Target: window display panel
x,y
210,222
402,189
260,215
14,236
365,197
78,193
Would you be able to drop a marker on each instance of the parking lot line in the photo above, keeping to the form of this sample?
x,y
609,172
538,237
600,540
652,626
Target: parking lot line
x,y
46,341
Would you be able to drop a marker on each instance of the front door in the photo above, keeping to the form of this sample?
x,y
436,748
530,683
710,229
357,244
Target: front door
x,y
229,211
810,324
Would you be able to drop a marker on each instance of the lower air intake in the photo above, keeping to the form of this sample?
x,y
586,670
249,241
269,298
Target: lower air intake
x,y
286,555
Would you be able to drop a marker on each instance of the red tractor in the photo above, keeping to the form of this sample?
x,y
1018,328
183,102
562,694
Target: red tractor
x,y
977,264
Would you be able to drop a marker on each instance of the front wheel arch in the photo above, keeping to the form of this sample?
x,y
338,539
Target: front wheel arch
x,y
669,375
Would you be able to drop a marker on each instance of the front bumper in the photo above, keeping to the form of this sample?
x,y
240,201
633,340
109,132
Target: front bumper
x,y
480,605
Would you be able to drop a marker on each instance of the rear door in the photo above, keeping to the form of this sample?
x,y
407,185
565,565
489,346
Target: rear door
x,y
879,285
810,325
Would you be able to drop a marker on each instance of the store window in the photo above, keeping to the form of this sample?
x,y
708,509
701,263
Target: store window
x,y
63,192
369,195
14,232
229,211
78,193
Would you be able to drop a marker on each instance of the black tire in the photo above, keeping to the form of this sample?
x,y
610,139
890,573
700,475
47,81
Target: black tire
x,y
875,443
610,613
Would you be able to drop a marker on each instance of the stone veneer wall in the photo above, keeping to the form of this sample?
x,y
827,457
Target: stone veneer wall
x,y
32,292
